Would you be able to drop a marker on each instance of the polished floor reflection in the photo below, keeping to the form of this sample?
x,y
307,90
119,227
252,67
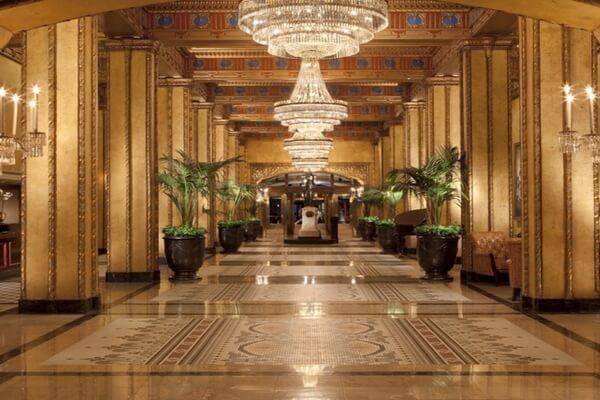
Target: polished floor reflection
x,y
290,322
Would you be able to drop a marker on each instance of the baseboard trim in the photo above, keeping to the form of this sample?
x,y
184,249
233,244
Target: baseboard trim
x,y
560,305
150,276
80,306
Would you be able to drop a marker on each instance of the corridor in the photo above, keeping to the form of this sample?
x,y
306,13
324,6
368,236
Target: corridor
x,y
291,322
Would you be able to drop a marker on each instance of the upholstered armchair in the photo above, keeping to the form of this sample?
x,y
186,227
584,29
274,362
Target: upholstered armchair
x,y
515,265
489,254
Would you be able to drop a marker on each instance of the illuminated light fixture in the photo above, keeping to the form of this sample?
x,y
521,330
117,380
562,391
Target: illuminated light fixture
x,y
313,28
310,164
310,107
31,143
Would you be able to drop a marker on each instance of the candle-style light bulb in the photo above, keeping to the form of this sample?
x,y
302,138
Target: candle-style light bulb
x,y
34,111
570,99
15,99
2,109
591,95
567,89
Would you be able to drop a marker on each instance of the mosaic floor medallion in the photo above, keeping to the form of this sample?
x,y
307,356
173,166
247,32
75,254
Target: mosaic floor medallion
x,y
286,293
332,342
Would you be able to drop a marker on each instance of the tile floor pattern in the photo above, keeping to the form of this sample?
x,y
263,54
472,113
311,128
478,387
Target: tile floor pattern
x,y
335,341
279,322
10,292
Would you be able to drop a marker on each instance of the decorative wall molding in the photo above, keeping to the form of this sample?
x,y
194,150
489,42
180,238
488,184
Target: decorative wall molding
x,y
358,171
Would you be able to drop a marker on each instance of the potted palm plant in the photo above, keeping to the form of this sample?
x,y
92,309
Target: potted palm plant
x,y
436,183
184,181
370,197
231,230
386,228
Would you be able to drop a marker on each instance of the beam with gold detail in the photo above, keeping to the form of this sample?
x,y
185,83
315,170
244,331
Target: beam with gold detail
x,y
356,113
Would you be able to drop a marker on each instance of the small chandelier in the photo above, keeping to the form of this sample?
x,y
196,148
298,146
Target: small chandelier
x,y
311,107
308,145
313,28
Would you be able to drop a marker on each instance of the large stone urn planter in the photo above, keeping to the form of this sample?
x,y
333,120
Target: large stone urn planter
x,y
185,256
231,237
437,256
387,238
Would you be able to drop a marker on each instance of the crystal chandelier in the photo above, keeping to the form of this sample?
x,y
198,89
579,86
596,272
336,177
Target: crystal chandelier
x,y
310,164
311,107
313,28
308,144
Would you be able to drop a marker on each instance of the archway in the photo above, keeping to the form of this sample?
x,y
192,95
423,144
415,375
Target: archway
x,y
284,195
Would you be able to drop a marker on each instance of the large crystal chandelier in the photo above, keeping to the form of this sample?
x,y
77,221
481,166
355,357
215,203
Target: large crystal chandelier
x,y
313,28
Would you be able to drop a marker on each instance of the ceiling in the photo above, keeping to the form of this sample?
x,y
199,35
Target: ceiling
x,y
200,40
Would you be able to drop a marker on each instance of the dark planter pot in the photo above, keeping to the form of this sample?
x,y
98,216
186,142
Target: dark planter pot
x,y
251,230
185,256
370,231
436,256
361,230
387,238
231,238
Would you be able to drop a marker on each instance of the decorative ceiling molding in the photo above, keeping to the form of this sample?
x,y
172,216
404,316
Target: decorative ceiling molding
x,y
204,53
176,59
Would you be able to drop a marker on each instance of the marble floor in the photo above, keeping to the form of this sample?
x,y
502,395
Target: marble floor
x,y
291,322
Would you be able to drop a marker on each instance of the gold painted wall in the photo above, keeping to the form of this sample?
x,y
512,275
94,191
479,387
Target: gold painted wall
x,y
346,155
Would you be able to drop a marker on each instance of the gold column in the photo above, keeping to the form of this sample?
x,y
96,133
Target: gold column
x,y
487,142
415,133
174,134
58,211
233,151
398,156
131,161
201,137
219,142
443,128
560,197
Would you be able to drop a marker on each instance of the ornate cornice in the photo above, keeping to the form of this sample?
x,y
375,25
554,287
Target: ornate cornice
x,y
175,82
442,81
132,44
488,42
202,106
414,105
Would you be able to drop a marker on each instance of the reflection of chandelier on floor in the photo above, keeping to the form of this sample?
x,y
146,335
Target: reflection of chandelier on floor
x,y
32,142
311,30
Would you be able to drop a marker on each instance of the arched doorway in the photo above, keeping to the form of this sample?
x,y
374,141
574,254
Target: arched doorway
x,y
284,195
